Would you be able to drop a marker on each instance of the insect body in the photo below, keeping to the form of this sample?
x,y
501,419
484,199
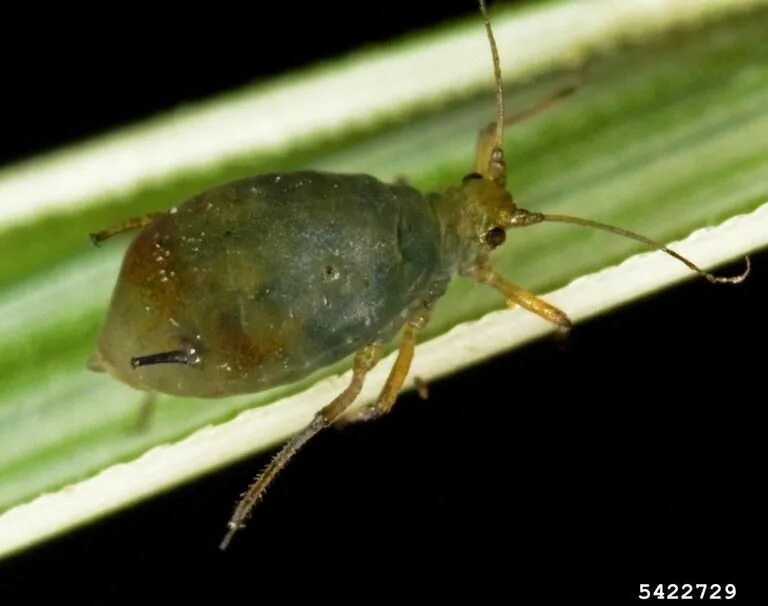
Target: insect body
x,y
260,282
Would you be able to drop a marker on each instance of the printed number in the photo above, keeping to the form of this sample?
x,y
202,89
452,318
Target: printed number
x,y
705,591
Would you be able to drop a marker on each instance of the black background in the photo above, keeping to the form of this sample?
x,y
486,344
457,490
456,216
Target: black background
x,y
628,456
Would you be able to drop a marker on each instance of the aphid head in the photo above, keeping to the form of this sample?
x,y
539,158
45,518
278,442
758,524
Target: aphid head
x,y
488,210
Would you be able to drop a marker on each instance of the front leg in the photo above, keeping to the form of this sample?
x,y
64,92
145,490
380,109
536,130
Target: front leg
x,y
488,141
517,295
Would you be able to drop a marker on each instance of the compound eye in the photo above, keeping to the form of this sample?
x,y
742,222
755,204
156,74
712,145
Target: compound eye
x,y
495,237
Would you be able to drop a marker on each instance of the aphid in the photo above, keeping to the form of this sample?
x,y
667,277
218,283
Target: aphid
x,y
260,282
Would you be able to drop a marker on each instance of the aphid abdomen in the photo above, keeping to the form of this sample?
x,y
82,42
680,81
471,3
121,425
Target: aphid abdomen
x,y
270,278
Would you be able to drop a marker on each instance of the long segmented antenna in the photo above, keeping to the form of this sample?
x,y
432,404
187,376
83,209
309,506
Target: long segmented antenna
x,y
524,217
497,77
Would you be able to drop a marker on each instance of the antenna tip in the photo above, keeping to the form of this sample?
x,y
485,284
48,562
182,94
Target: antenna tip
x,y
732,279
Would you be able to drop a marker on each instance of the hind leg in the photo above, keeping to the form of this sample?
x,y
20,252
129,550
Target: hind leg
x,y
364,361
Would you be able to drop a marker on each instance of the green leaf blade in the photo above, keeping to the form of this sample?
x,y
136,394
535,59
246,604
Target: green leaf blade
x,y
665,137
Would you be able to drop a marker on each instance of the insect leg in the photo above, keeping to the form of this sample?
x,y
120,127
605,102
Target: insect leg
x,y
129,225
146,411
517,295
365,359
486,138
422,387
394,383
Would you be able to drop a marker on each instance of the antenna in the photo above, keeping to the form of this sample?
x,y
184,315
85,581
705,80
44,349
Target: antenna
x,y
499,138
524,218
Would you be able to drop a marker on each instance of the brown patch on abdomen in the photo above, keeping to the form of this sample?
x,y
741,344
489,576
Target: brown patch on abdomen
x,y
242,350
152,266
263,344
